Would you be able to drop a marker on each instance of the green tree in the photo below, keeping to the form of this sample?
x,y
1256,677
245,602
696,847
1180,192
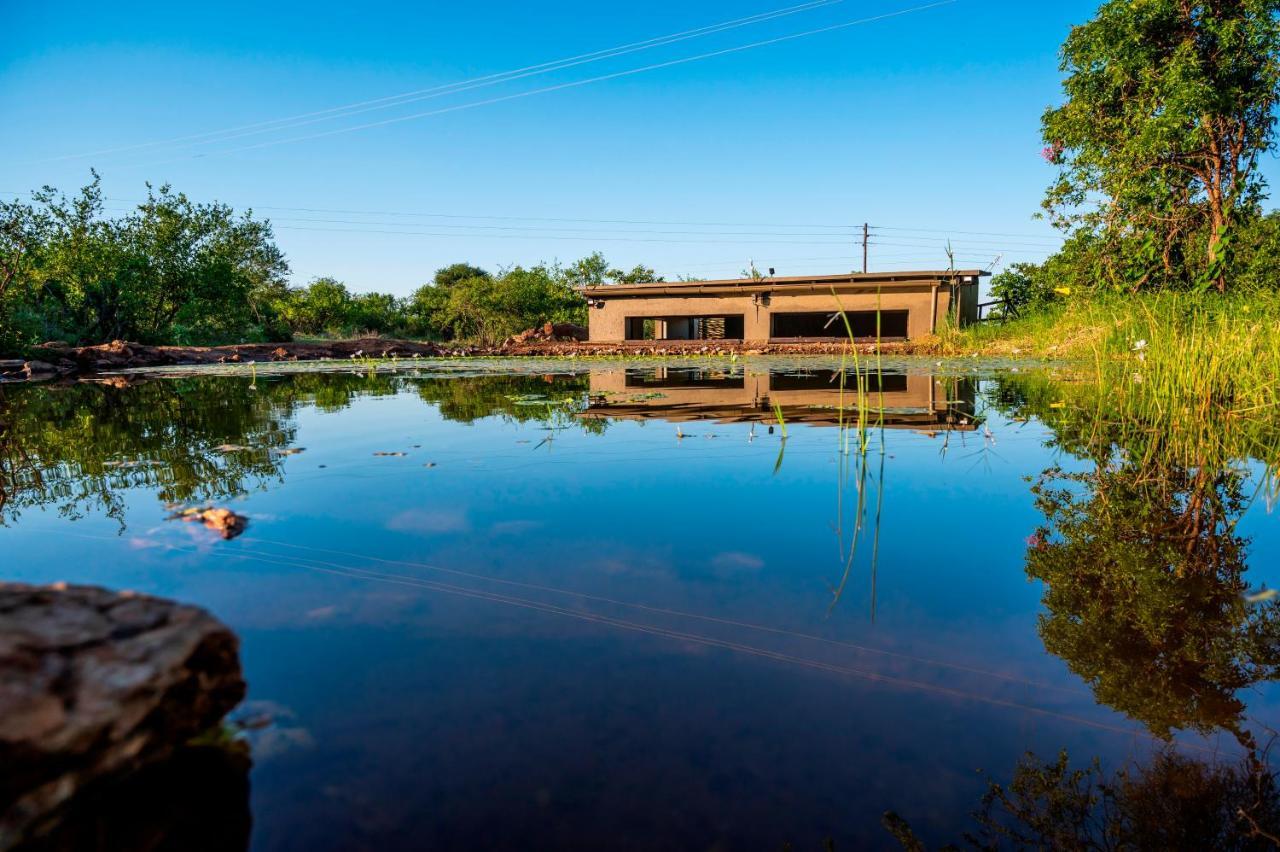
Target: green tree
x,y
169,271
590,271
447,276
1022,287
489,309
382,313
195,273
1169,104
638,274
427,308
324,305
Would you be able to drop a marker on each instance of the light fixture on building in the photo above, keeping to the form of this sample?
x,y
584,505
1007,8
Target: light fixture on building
x,y
595,303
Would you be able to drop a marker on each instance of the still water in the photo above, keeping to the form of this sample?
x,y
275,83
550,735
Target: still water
x,y
724,605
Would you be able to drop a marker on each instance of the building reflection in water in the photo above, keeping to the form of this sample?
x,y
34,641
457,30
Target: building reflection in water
x,y
813,396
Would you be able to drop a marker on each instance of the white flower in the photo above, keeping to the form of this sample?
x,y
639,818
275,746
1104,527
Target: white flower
x,y
1139,345
1137,378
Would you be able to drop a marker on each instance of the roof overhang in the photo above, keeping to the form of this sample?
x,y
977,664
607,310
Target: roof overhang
x,y
851,282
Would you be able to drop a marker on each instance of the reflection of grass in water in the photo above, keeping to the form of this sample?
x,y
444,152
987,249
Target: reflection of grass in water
x,y
1157,413
861,427
1188,378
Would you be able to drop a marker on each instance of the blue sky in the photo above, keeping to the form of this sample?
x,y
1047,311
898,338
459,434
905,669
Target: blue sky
x,y
925,121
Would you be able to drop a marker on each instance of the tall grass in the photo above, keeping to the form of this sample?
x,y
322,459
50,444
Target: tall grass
x,y
1200,372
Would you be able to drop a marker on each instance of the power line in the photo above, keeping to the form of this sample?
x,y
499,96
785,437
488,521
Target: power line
x,y
569,85
595,238
927,243
837,229
952,231
535,232
391,101
538,229
409,214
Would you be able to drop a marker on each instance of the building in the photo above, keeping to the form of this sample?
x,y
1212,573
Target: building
x,y
782,310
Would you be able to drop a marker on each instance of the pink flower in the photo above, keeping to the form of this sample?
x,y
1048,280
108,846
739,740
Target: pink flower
x,y
1034,541
1053,153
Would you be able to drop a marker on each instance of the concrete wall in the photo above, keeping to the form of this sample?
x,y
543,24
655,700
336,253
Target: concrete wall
x,y
607,324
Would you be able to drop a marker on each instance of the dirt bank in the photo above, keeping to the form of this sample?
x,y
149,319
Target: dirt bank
x,y
58,360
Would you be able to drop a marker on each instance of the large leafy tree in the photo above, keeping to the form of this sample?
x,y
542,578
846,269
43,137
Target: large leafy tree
x,y
195,272
169,271
1169,104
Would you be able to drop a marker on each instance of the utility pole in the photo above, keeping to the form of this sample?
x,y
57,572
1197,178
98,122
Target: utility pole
x,y
865,233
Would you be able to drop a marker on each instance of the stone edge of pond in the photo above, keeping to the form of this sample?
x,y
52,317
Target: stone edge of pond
x,y
96,684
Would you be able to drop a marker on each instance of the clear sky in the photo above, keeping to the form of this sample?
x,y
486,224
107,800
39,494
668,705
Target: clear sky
x,y
925,121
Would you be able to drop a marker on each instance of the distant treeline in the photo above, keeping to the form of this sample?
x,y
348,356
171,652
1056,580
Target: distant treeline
x,y
176,271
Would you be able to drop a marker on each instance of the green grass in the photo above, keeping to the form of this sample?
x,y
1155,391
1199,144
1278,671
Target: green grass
x,y
1193,379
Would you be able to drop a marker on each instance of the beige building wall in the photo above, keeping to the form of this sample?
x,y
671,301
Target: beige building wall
x,y
926,304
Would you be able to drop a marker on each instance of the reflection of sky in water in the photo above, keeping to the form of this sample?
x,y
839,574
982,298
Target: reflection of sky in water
x,y
631,635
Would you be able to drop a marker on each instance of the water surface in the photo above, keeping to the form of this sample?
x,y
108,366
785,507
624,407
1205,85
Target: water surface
x,y
693,605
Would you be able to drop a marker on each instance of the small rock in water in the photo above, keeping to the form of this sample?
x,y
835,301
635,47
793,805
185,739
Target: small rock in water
x,y
391,455
223,521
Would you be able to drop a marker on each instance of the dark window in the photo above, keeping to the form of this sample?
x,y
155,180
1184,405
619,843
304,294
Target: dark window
x,y
893,324
686,328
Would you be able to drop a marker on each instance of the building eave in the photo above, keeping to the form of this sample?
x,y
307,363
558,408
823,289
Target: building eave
x,y
850,282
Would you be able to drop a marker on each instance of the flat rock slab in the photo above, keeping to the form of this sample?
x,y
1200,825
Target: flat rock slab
x,y
95,684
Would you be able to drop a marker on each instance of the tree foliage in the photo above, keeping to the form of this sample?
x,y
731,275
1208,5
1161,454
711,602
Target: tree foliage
x,y
178,272
169,271
1022,287
1169,105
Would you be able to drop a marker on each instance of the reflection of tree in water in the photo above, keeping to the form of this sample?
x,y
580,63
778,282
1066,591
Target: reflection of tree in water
x,y
1174,802
1144,596
200,439
551,399
1143,572
79,447
1144,593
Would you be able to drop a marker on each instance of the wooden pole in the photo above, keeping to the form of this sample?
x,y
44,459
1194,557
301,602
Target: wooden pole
x,y
865,233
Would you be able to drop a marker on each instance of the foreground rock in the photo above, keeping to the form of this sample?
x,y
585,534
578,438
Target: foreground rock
x,y
94,686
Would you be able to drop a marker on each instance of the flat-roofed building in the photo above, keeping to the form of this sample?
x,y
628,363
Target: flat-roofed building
x,y
888,305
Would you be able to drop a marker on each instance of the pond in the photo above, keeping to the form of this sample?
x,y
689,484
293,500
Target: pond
x,y
664,605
